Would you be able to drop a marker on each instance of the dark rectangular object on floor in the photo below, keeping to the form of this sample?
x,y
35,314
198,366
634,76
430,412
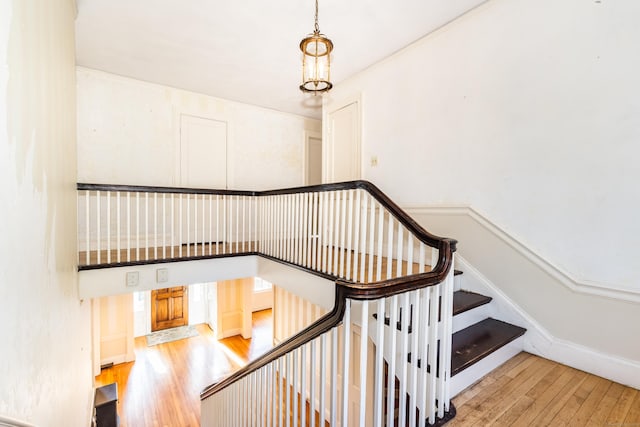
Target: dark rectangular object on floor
x,y
106,405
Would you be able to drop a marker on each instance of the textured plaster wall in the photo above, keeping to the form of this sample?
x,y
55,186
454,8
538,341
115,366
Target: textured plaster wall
x,y
45,350
129,133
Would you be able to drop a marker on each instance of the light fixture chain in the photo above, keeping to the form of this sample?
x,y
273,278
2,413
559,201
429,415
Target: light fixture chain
x,y
317,27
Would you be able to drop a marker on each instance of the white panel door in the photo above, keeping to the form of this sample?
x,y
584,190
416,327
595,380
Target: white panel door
x,y
203,153
343,126
203,164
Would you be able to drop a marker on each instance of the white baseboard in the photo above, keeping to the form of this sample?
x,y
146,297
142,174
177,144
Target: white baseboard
x,y
231,332
121,358
540,342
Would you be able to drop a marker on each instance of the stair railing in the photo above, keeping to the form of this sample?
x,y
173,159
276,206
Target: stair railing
x,y
387,294
331,373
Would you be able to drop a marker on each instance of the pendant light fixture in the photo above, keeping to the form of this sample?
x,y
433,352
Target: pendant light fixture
x,y
316,51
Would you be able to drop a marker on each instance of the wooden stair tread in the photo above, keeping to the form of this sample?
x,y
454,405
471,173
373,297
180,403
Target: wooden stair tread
x,y
480,340
465,300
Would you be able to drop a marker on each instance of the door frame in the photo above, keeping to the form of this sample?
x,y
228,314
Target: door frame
x,y
328,146
177,113
308,134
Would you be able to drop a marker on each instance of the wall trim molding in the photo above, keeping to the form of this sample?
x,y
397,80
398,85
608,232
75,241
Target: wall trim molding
x,y
13,422
571,282
538,340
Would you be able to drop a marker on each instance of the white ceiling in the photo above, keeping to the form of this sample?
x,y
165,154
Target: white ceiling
x,y
247,50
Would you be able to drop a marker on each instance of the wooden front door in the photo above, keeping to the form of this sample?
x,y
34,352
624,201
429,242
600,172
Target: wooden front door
x,y
169,308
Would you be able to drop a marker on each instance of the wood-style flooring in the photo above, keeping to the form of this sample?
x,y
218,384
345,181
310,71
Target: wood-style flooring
x,y
161,388
531,391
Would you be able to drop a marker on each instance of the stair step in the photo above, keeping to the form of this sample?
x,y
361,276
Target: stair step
x,y
480,340
465,301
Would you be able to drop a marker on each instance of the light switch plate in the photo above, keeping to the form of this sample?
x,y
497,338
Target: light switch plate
x,y
162,275
133,278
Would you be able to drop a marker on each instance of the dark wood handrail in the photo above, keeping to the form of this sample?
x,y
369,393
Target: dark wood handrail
x,y
409,223
344,290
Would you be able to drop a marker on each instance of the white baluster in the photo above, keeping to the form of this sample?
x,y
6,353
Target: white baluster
x,y
224,224
372,237
364,352
118,218
334,377
378,373
244,217
87,223
312,385
305,229
343,232
331,246
180,225
432,298
108,227
314,238
349,235
417,329
380,243
211,225
404,354
391,375
363,236
128,227
237,203
323,378
390,247
303,385
99,225
399,250
164,225
346,362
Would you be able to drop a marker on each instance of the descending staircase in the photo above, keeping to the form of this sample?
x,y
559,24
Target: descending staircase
x,y
479,345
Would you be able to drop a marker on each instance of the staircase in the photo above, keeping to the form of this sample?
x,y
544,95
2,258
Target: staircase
x,y
479,345
399,313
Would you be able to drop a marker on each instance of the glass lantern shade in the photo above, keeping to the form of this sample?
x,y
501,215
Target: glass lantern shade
x,y
316,52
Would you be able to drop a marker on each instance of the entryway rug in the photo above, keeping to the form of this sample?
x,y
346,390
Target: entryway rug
x,y
173,334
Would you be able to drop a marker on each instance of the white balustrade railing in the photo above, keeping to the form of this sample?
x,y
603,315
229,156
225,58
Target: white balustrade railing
x,y
355,373
389,334
345,233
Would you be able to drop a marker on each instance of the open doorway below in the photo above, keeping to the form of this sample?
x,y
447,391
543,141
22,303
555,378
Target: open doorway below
x,y
225,306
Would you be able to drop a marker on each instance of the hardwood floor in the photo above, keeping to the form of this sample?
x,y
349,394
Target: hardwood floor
x,y
531,391
161,388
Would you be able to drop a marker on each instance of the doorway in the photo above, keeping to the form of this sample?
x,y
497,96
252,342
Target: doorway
x,y
169,308
312,164
203,153
343,140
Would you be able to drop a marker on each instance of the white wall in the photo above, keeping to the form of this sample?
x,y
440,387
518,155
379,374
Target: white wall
x,y
128,133
116,320
45,361
526,110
